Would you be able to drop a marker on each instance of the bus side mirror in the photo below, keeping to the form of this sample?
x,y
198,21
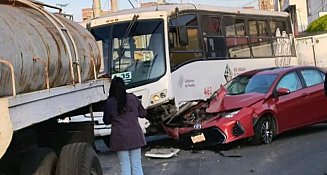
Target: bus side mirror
x,y
183,36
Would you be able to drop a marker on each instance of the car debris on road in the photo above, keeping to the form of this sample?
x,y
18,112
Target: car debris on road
x,y
162,152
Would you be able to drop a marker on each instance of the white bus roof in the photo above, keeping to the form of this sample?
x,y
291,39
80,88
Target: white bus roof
x,y
170,8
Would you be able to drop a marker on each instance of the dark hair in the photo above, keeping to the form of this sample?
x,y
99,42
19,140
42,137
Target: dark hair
x,y
118,91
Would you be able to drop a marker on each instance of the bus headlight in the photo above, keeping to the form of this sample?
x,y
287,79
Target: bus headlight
x,y
158,97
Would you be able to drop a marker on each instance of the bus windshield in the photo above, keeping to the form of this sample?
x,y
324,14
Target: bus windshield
x,y
133,50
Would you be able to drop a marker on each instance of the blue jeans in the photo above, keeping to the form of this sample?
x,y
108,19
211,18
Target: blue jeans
x,y
130,162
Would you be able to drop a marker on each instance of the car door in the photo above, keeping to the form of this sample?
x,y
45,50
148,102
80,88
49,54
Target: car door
x,y
316,99
291,108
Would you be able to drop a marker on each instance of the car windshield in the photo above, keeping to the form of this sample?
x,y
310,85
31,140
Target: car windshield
x,y
247,84
133,50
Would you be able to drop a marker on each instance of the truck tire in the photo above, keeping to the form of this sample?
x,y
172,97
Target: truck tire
x,y
41,161
78,159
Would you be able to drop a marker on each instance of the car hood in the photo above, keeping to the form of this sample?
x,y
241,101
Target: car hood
x,y
224,102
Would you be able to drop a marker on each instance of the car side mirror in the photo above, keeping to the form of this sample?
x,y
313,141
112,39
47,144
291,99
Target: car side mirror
x,y
282,91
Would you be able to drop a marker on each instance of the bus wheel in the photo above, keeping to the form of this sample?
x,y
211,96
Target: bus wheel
x,y
78,159
106,140
41,161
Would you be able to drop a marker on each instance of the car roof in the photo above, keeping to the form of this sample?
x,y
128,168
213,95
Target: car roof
x,y
276,70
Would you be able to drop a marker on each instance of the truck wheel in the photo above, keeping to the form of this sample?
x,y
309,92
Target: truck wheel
x,y
78,159
106,140
40,161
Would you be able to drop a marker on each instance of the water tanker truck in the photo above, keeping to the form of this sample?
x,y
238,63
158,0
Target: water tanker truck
x,y
49,70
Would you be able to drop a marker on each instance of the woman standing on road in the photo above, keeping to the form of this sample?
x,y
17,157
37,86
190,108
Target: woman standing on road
x,y
122,111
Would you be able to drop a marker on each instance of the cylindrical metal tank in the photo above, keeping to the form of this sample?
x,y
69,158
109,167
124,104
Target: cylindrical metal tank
x,y
41,53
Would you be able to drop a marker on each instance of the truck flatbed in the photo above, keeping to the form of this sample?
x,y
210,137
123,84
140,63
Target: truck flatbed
x,y
54,102
26,109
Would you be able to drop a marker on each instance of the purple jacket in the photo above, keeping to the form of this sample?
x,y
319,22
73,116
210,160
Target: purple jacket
x,y
126,132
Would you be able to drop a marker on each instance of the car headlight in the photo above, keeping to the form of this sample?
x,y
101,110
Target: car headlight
x,y
230,114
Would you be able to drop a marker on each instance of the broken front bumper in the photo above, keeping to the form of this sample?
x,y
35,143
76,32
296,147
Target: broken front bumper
x,y
219,130
212,136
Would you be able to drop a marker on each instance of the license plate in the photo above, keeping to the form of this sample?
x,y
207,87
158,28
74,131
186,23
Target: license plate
x,y
198,138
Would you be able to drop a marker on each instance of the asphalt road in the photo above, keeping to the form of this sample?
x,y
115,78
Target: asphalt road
x,y
302,151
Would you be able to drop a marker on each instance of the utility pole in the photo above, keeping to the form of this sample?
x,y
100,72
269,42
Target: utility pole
x,y
114,5
259,4
96,8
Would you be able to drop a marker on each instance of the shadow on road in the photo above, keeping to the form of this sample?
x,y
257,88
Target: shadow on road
x,y
303,131
164,141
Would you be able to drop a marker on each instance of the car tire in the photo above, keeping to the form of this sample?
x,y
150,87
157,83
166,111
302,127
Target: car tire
x,y
263,131
41,161
78,159
106,140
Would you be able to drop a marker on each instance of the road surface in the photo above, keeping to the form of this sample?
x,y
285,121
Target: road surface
x,y
303,151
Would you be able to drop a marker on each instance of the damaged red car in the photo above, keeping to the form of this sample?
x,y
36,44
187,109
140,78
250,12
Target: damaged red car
x,y
257,104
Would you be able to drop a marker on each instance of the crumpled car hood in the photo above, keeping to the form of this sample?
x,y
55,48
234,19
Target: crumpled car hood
x,y
224,102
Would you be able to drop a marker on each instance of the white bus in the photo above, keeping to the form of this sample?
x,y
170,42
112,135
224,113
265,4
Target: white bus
x,y
173,54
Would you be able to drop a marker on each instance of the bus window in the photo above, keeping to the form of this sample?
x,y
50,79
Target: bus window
x,y
281,25
101,35
236,39
229,25
262,28
258,28
283,44
138,56
216,47
261,47
184,20
240,27
212,26
238,47
213,36
181,53
253,28
260,39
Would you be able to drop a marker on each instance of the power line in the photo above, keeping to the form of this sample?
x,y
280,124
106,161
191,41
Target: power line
x,y
131,3
248,3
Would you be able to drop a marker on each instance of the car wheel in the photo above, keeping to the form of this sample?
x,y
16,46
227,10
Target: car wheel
x,y
263,131
106,140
